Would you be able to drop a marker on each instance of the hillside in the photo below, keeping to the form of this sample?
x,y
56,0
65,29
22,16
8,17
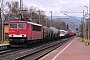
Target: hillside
x,y
73,23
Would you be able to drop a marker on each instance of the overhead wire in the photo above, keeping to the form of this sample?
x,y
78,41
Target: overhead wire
x,y
70,16
42,4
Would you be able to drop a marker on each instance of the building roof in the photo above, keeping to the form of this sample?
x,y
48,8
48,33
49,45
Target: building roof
x,y
11,19
16,19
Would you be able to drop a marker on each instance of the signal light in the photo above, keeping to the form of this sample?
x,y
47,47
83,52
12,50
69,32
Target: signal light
x,y
77,29
67,26
0,12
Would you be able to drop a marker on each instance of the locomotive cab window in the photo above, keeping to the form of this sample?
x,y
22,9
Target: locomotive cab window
x,y
21,25
62,32
13,25
36,28
18,25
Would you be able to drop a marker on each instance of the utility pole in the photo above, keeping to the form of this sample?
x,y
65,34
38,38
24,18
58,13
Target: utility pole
x,y
83,25
46,21
39,16
51,19
2,18
89,18
0,24
31,15
86,22
88,30
0,12
89,9
21,9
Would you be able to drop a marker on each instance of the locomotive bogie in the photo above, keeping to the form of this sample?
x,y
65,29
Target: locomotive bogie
x,y
17,41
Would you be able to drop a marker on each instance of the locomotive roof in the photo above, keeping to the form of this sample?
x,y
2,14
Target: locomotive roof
x,y
35,23
62,30
28,22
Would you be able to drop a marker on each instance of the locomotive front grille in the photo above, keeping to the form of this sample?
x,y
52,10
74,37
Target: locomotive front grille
x,y
17,41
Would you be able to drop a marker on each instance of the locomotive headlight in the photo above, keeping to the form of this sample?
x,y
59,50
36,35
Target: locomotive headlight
x,y
10,35
23,35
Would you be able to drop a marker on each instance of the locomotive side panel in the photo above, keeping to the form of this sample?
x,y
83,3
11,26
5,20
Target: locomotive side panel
x,y
29,32
36,32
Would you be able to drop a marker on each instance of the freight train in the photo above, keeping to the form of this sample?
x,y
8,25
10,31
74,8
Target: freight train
x,y
26,33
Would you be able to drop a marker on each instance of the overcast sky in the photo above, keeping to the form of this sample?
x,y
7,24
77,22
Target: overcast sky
x,y
56,6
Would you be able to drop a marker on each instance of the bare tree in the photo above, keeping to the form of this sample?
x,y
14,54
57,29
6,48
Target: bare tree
x,y
13,8
32,12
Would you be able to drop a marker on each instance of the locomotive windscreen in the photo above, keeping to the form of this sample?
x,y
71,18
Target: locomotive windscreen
x,y
13,25
62,32
18,25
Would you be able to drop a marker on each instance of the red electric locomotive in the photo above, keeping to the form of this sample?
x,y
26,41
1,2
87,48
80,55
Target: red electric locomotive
x,y
24,32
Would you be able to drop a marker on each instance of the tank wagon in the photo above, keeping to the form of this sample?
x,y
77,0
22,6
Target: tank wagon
x,y
55,31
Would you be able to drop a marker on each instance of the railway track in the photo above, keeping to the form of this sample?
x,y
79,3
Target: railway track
x,y
33,53
40,54
10,50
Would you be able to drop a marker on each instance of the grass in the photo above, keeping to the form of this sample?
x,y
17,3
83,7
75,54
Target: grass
x,y
87,42
4,42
